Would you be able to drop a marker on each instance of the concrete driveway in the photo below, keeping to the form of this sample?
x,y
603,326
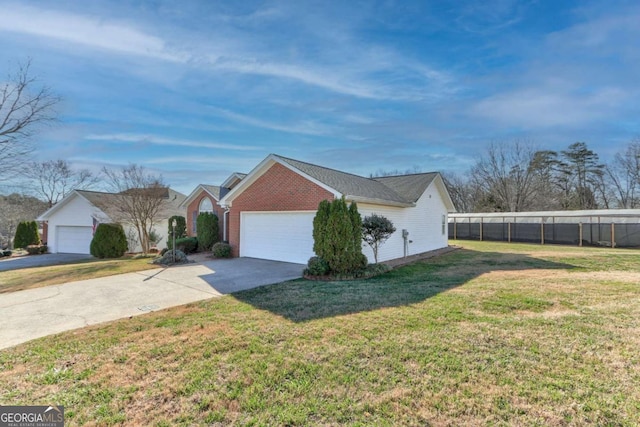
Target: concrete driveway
x,y
14,263
35,313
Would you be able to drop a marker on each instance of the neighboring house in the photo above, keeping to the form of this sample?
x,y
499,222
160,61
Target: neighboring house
x,y
71,222
205,198
269,212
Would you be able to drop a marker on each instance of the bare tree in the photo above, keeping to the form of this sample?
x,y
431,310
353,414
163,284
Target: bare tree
x,y
505,174
140,199
624,175
54,179
23,106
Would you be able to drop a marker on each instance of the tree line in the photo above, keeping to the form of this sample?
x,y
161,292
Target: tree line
x,y
517,177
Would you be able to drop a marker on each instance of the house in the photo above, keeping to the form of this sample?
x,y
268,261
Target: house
x,y
70,223
205,198
269,212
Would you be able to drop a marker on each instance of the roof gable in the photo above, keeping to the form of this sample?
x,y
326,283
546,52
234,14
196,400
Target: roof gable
x,y
214,191
402,191
107,203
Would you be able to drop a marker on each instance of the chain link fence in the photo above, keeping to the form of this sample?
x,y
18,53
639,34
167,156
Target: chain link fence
x,y
609,228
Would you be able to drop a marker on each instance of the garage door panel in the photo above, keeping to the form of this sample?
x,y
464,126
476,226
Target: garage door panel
x,y
74,240
279,236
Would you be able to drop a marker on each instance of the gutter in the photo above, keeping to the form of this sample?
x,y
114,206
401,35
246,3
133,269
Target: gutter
x,y
360,199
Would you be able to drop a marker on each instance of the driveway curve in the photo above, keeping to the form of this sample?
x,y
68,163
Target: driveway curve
x,y
35,313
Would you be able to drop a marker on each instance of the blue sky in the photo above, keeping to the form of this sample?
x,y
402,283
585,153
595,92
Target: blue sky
x,y
195,90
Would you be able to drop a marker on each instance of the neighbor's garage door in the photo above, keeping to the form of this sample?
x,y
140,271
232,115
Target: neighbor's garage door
x,y
280,236
74,240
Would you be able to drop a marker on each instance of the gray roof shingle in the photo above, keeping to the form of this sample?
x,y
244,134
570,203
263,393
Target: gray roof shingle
x,y
108,203
404,189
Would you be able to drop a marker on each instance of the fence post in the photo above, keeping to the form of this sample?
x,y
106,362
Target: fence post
x,y
542,231
481,226
509,231
455,228
613,235
580,234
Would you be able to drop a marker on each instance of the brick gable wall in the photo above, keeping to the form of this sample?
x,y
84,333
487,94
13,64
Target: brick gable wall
x,y
193,210
278,189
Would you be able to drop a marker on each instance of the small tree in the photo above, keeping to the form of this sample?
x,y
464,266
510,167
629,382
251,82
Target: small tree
x,y
320,228
207,229
26,234
334,230
141,198
109,241
181,229
376,229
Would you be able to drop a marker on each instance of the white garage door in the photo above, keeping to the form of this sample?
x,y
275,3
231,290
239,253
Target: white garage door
x,y
280,236
74,240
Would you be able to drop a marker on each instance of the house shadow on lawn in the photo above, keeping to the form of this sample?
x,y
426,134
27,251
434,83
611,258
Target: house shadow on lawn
x,y
303,300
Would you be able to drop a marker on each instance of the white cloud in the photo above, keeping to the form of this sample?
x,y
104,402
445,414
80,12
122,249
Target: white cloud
x,y
544,107
159,140
87,31
307,127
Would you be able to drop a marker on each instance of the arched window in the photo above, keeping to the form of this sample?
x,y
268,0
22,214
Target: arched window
x,y
205,205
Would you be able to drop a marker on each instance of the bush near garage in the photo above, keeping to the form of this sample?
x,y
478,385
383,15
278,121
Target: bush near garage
x,y
188,245
207,229
26,234
37,249
337,234
109,241
221,250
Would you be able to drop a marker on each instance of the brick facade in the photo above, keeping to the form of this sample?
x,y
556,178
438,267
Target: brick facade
x,y
194,208
278,189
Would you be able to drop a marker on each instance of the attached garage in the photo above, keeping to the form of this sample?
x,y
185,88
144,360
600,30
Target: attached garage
x,y
278,236
74,240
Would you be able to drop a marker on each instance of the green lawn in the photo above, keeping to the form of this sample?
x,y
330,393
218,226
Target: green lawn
x,y
491,334
37,277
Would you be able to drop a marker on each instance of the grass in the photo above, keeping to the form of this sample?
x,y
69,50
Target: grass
x,y
492,334
36,277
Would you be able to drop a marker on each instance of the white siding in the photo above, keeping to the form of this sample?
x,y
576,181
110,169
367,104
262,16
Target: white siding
x,y
423,222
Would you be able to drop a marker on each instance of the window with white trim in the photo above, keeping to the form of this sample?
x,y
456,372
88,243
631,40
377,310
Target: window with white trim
x,y
205,205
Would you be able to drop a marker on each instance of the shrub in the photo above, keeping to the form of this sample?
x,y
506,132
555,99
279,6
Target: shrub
x,y
163,251
181,229
7,253
188,245
335,228
376,229
26,234
36,249
316,266
221,250
109,241
168,258
207,229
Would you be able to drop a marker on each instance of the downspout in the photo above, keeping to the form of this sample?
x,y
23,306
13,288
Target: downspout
x,y
225,220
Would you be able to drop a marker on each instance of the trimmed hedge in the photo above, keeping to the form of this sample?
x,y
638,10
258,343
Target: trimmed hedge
x,y
37,249
26,234
109,241
337,236
316,266
221,250
207,229
188,245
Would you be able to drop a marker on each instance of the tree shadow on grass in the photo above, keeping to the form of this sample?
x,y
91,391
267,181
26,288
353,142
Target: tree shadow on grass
x,y
303,300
